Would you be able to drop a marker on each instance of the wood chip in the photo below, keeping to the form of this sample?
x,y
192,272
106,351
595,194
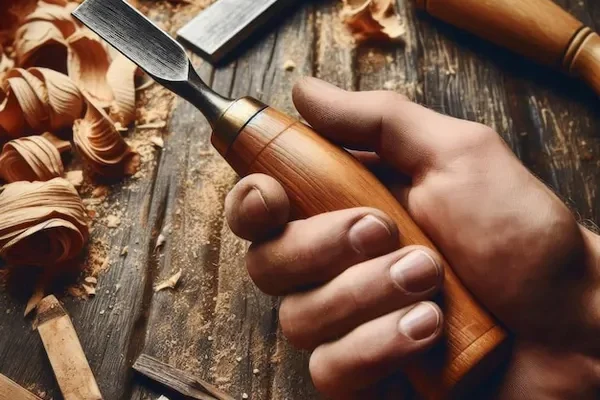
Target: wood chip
x,y
170,283
157,141
113,221
75,178
89,290
124,251
289,65
153,125
35,299
91,280
160,241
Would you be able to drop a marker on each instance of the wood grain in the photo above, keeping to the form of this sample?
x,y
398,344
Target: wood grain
x,y
538,29
550,122
9,390
69,363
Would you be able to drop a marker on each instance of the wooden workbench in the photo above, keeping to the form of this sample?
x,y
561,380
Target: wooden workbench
x,y
217,324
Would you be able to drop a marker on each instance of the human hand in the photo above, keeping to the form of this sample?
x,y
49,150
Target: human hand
x,y
360,303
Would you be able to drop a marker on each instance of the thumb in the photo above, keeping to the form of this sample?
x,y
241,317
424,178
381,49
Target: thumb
x,y
404,134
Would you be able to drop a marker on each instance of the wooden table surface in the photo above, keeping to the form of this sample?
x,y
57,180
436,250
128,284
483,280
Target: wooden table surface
x,y
217,324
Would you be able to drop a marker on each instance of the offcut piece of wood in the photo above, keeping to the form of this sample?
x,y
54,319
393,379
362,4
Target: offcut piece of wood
x,y
181,382
70,366
11,391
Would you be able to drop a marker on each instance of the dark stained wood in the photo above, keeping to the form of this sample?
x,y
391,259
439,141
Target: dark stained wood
x,y
216,324
179,381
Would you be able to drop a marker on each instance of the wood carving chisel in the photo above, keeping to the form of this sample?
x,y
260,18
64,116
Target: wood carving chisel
x,y
223,26
318,176
538,29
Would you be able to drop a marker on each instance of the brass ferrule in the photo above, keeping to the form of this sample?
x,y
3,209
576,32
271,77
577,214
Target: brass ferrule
x,y
233,120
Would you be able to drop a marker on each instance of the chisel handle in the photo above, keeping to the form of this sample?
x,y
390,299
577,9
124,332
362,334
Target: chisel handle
x,y
319,177
538,29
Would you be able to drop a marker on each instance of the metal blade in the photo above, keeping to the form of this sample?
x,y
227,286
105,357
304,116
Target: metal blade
x,y
138,38
157,53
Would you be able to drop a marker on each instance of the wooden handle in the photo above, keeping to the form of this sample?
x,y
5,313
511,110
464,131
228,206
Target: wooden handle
x,y
538,29
320,177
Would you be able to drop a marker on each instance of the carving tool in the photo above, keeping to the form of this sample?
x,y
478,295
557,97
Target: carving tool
x,y
178,381
219,29
538,29
317,175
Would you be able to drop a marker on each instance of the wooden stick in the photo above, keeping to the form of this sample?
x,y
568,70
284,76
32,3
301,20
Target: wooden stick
x,y
68,360
10,390
182,382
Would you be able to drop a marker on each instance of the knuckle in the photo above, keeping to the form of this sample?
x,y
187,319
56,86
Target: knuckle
x,y
480,135
258,270
321,372
290,328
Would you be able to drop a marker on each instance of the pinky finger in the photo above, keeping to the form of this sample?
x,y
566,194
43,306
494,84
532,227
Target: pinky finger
x,y
375,350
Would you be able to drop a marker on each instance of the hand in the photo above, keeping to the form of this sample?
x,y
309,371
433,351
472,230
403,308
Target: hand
x,y
361,304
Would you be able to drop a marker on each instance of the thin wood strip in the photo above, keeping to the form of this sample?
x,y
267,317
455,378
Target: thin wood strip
x,y
180,381
70,366
11,390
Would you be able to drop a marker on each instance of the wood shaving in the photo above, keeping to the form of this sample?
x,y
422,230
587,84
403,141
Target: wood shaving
x,y
37,100
289,65
32,158
113,221
373,20
91,280
102,147
160,241
170,283
75,178
157,141
89,290
43,223
88,65
125,251
121,79
153,125
34,300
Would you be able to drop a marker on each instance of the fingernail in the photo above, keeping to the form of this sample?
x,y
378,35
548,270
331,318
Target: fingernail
x,y
367,233
254,204
420,322
416,272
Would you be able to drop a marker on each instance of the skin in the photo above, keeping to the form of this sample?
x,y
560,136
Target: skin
x,y
513,243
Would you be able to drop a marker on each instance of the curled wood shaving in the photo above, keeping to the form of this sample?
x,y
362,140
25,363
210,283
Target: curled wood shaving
x,y
38,100
88,65
41,43
43,223
65,101
33,158
6,62
63,146
170,283
102,147
373,19
58,15
121,79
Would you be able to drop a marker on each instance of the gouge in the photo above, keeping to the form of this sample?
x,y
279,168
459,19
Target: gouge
x,y
538,29
317,175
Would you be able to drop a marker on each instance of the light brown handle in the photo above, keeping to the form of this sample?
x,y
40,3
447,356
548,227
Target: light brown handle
x,y
320,177
538,29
